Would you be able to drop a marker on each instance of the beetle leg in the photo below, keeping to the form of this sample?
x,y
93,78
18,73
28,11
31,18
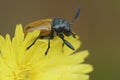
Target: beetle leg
x,y
69,45
73,35
32,43
52,34
62,47
48,47
50,37
65,41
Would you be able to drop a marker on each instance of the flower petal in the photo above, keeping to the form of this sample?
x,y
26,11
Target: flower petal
x,y
19,36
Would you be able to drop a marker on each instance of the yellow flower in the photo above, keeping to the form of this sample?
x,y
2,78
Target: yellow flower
x,y
19,63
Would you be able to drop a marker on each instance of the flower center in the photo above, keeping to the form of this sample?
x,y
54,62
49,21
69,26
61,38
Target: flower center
x,y
23,73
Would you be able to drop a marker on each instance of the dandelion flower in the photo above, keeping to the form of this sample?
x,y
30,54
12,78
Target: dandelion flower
x,y
19,63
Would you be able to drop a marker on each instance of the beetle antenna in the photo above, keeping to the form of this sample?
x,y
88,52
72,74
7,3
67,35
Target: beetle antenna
x,y
76,15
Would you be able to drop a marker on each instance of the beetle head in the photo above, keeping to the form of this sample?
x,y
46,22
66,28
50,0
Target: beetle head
x,y
61,26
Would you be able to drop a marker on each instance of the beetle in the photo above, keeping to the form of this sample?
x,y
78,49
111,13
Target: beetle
x,y
49,27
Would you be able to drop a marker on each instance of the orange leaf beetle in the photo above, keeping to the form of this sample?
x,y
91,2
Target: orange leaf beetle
x,y
49,27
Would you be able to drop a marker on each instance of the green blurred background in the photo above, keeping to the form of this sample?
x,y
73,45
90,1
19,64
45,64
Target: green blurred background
x,y
98,26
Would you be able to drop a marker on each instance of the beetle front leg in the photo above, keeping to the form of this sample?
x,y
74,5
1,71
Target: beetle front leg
x,y
65,41
73,35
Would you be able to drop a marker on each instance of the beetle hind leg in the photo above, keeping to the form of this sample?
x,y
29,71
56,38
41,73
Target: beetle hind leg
x,y
32,43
